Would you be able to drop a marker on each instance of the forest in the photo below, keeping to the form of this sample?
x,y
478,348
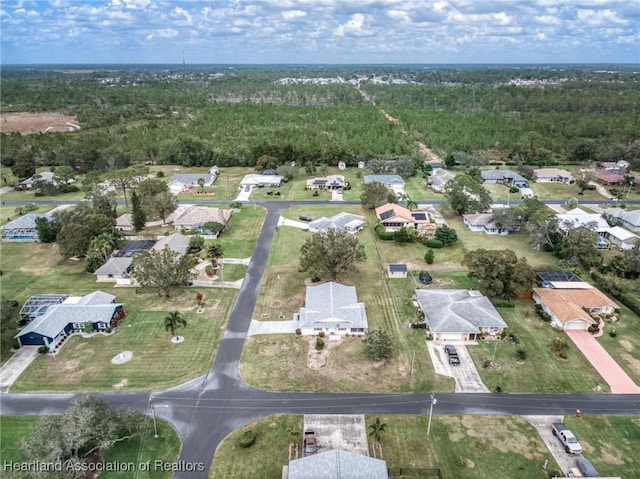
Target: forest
x,y
231,116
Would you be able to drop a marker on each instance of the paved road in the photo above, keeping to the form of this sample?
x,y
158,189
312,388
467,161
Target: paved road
x,y
209,407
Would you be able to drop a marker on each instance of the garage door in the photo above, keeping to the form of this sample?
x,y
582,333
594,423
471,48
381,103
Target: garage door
x,y
576,326
450,336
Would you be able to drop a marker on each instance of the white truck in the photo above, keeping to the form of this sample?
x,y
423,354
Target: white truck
x,y
567,438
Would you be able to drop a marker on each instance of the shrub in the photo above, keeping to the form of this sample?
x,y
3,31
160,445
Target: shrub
x,y
321,334
15,344
160,174
315,193
298,331
236,205
319,344
429,256
378,345
383,234
43,349
513,338
542,314
247,439
613,333
521,354
208,270
315,279
433,243
514,189
419,325
504,303
594,328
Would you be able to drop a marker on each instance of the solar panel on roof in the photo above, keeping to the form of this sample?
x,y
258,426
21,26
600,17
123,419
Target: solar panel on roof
x,y
387,214
557,276
419,216
398,268
132,248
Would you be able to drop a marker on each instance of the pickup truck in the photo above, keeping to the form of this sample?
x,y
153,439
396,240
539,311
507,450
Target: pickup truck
x,y
310,445
568,440
452,354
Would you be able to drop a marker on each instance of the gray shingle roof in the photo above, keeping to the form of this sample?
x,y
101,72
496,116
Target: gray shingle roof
x,y
192,178
384,179
458,310
27,221
175,242
340,221
115,266
332,303
337,464
499,175
96,307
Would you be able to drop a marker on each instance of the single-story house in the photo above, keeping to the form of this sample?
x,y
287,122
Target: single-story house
x,y
393,182
557,279
254,180
572,308
438,179
176,242
484,223
627,219
622,238
37,305
332,308
342,221
125,222
397,270
612,165
576,217
184,181
459,314
44,177
58,321
393,217
608,177
331,182
337,464
504,176
553,175
23,228
115,270
194,218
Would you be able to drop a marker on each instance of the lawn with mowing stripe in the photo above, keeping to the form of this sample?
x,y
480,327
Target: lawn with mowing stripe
x,y
166,448
543,370
265,458
240,237
610,443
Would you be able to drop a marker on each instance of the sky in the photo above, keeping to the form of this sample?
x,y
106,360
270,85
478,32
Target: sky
x,y
319,31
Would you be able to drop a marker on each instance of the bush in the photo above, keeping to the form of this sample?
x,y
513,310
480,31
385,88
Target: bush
x,y
236,205
316,279
298,331
594,328
321,334
419,325
383,234
433,243
429,256
247,439
209,270
542,314
513,338
504,303
613,333
378,345
319,344
43,349
160,174
514,189
521,354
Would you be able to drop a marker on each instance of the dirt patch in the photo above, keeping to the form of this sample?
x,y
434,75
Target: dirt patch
x,y
626,345
28,123
633,363
121,385
319,359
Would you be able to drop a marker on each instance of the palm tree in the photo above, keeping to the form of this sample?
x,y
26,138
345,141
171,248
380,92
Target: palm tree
x,y
105,243
376,428
214,252
201,183
172,321
411,205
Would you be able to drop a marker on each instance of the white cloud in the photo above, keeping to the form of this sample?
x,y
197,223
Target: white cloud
x,y
354,27
293,14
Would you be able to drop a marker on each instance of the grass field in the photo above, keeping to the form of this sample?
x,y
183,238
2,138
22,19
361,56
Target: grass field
x,y
574,374
240,237
85,364
468,447
13,429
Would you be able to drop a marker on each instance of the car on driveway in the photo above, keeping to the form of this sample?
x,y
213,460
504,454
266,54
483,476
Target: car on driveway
x,y
452,354
305,218
425,278
310,445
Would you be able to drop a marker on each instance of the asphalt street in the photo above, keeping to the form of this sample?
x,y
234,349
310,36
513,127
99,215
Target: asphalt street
x,y
206,409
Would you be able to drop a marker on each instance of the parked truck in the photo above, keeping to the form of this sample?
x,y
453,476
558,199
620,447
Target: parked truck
x,y
567,438
452,354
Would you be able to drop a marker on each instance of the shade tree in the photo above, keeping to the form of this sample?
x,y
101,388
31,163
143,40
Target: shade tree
x,y
330,253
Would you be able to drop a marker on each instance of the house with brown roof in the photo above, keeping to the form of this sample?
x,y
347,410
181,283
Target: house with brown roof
x,y
393,217
195,217
571,309
609,178
552,175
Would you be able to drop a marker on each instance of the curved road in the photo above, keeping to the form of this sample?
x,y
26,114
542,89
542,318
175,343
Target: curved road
x,y
206,409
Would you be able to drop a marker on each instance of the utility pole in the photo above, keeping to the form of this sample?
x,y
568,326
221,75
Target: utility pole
x,y
433,402
153,414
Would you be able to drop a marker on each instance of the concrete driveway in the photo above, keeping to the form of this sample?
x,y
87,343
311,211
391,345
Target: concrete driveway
x,y
543,426
244,195
611,372
296,224
15,365
272,327
465,375
341,431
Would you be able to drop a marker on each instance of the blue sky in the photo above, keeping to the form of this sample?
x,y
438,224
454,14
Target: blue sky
x,y
320,31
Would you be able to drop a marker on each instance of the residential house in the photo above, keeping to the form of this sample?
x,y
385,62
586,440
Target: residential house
x,y
125,222
334,309
576,217
393,217
504,176
397,271
44,177
115,270
621,217
553,175
438,179
331,182
336,464
185,181
195,217
342,221
176,242
254,180
459,314
609,177
571,309
37,305
59,321
612,166
622,238
484,223
393,182
23,228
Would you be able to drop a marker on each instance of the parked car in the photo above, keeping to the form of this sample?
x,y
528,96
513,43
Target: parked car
x,y
309,443
452,354
424,277
305,218
586,468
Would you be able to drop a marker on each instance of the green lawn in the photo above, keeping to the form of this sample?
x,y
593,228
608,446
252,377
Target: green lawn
x,y
571,375
610,443
135,451
467,447
240,237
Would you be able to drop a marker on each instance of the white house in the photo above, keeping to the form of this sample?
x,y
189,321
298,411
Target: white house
x,y
393,182
115,270
342,221
552,175
185,181
334,309
576,217
484,223
627,219
254,180
438,179
621,237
